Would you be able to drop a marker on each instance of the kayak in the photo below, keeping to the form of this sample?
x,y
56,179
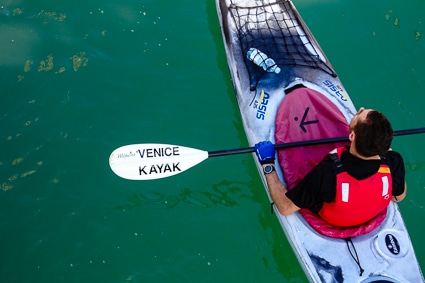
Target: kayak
x,y
296,95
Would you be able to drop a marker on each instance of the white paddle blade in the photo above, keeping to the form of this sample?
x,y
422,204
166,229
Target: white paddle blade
x,y
153,161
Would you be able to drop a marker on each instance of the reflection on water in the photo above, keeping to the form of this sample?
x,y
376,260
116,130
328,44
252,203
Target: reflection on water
x,y
224,193
142,199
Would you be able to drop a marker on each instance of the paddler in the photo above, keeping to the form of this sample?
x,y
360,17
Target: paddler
x,y
351,185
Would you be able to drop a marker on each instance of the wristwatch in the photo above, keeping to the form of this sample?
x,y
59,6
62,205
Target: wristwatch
x,y
268,169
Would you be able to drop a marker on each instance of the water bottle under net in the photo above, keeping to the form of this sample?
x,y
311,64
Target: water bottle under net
x,y
262,60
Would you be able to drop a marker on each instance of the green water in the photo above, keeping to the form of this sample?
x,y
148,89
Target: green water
x,y
81,78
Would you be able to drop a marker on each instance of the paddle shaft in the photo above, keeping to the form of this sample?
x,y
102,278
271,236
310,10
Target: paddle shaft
x,y
306,143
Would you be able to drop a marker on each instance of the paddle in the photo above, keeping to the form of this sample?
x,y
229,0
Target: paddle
x,y
154,161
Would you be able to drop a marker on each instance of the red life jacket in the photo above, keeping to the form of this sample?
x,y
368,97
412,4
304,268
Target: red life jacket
x,y
357,201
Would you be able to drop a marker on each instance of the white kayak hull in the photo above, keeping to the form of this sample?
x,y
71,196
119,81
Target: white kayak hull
x,y
259,96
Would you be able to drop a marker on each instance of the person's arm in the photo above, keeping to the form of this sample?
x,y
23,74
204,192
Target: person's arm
x,y
402,196
396,163
278,194
266,156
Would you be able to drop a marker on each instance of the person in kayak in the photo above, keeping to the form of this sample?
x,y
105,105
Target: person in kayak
x,y
351,185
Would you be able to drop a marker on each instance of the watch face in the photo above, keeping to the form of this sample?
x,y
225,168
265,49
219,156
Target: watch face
x,y
268,169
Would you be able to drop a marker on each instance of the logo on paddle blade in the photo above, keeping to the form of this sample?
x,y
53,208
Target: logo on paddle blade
x,y
159,169
153,161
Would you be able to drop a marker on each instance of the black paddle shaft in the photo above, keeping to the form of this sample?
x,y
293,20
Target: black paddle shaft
x,y
305,143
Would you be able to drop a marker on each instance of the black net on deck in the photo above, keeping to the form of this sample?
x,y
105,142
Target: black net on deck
x,y
274,29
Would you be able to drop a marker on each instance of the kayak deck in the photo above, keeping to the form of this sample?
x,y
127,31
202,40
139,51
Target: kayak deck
x,y
276,28
285,40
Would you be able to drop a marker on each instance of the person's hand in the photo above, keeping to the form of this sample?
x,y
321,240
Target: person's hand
x,y
265,152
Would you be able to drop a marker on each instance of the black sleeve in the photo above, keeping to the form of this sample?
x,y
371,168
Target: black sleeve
x,y
396,164
318,186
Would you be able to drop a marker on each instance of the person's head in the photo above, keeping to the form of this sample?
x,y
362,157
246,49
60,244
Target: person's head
x,y
372,132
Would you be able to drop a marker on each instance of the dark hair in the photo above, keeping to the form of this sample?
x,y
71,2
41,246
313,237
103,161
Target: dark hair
x,y
373,135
